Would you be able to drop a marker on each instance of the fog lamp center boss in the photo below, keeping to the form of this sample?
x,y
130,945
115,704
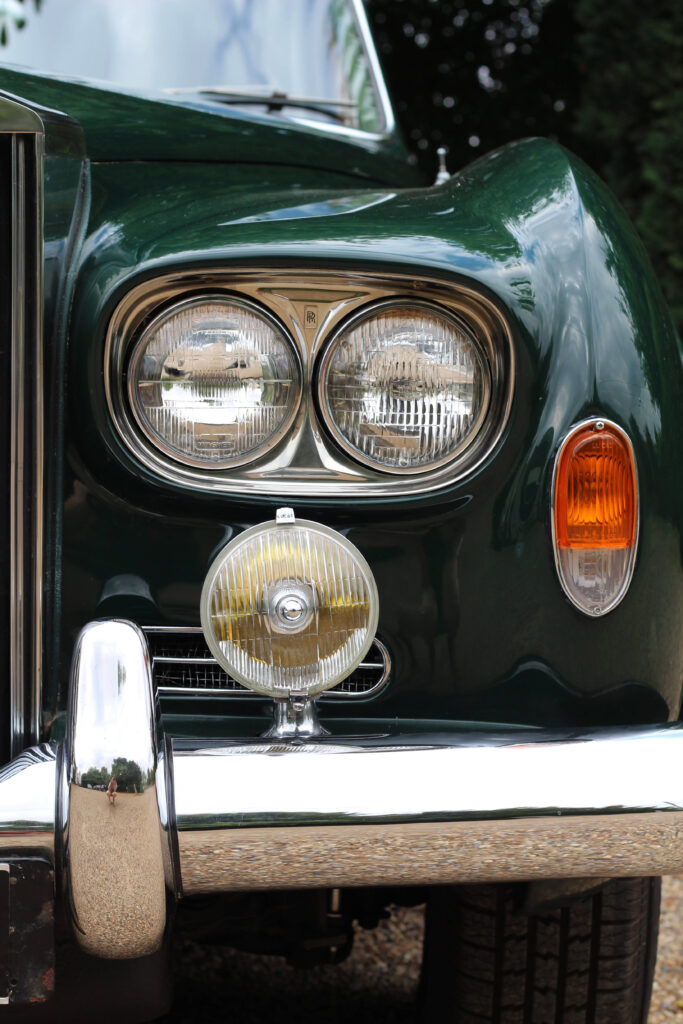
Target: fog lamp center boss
x,y
289,607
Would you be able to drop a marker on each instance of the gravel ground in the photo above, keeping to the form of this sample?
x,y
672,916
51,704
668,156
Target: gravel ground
x,y
667,995
376,985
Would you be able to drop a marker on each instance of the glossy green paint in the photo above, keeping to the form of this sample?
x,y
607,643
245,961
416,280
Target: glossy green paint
x,y
470,605
122,125
221,724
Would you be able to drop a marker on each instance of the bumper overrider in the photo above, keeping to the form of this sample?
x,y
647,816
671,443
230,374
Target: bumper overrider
x,y
325,812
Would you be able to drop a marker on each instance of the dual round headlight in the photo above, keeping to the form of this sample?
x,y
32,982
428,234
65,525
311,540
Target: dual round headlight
x,y
403,387
214,382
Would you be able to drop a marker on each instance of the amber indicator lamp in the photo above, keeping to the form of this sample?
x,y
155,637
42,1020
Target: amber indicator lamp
x,y
595,495
595,515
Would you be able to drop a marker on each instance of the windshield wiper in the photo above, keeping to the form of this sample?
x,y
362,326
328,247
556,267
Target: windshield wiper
x,y
272,99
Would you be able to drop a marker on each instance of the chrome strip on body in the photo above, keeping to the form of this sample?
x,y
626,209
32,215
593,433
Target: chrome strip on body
x,y
27,440
307,461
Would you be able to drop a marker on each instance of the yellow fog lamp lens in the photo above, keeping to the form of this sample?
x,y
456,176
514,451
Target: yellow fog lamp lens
x,y
289,607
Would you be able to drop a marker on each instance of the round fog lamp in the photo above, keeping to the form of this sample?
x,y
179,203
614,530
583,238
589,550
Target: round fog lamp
x,y
289,607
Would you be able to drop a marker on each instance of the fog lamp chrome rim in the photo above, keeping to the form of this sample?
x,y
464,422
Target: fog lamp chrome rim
x,y
137,350
289,607
376,309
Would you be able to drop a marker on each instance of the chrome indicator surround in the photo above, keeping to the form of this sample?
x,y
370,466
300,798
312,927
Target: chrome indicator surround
x,y
311,304
597,422
137,353
464,451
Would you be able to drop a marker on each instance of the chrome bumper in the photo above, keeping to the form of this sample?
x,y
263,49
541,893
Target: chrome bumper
x,y
398,810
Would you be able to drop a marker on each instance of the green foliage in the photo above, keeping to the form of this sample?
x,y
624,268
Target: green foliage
x,y
95,777
12,17
128,775
473,74
604,79
628,122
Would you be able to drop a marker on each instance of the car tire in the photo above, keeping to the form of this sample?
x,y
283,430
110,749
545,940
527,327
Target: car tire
x,y
589,962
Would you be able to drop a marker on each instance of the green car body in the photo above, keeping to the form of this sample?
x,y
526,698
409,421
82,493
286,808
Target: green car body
x,y
480,633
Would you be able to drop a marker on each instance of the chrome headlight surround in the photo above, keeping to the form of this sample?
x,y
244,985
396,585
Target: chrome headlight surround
x,y
325,367
310,304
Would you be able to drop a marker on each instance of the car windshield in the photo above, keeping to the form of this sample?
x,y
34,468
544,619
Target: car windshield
x,y
296,58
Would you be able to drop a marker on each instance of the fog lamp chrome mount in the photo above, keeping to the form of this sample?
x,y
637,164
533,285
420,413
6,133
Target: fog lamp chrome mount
x,y
289,609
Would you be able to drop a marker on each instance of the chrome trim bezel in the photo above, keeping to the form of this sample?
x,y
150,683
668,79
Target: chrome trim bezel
x,y
135,355
307,461
272,526
592,421
322,367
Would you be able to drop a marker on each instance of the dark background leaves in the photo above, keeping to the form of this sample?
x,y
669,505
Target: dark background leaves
x,y
605,79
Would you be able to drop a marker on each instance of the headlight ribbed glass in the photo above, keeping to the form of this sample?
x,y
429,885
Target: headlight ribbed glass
x,y
289,608
213,381
404,387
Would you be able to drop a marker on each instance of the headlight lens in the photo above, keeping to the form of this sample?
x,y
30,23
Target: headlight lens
x,y
404,387
289,608
213,381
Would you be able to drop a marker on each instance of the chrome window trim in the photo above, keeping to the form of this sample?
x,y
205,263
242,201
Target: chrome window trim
x,y
27,428
381,92
136,353
247,694
323,365
373,61
307,462
592,421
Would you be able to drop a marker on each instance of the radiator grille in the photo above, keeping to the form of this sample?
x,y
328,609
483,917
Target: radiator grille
x,y
183,664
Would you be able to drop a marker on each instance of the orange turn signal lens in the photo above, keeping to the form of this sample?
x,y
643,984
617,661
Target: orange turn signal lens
x,y
595,490
595,516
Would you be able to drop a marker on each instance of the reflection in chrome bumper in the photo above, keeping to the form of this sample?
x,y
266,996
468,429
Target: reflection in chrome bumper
x,y
384,810
410,810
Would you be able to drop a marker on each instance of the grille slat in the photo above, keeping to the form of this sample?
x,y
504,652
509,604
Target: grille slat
x,y
182,665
